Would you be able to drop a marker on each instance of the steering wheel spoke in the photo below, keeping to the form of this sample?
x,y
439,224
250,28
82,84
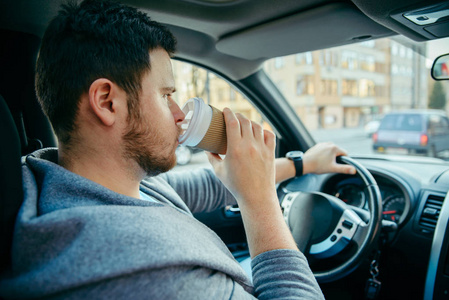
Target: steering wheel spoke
x,y
361,235
323,225
345,231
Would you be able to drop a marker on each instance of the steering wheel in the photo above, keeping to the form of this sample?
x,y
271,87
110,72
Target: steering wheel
x,y
328,230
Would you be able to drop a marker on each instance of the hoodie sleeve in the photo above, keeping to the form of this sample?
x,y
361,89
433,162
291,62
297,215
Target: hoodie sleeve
x,y
284,273
277,274
200,189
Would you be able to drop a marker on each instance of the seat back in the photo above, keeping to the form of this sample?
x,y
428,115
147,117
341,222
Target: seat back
x,y
23,127
11,193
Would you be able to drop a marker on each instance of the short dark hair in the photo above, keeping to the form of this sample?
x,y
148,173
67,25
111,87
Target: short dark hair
x,y
95,39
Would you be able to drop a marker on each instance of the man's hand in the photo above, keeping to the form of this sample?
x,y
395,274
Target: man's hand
x,y
248,168
321,159
248,171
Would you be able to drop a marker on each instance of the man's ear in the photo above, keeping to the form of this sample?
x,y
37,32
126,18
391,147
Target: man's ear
x,y
103,95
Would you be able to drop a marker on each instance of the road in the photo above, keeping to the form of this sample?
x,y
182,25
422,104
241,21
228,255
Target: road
x,y
353,140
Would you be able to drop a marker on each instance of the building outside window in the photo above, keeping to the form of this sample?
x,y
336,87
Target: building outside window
x,y
279,62
329,87
304,58
349,60
305,85
349,87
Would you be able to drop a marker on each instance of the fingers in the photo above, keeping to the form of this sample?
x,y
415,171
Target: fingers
x,y
214,160
269,139
258,131
339,151
238,126
245,125
344,169
233,133
321,159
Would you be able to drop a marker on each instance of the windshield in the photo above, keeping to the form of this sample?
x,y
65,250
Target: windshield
x,y
343,94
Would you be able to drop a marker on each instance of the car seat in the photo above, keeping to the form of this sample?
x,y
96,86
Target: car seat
x,y
23,127
11,194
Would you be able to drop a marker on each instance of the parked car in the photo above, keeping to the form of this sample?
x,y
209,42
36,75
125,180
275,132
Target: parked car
x,y
371,127
422,132
249,44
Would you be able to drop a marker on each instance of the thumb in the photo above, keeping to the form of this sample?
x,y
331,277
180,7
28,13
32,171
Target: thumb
x,y
214,159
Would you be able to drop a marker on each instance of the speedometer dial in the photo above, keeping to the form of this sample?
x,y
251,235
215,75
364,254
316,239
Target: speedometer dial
x,y
351,194
393,208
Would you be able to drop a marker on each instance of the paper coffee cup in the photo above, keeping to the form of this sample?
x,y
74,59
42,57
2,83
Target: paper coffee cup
x,y
203,127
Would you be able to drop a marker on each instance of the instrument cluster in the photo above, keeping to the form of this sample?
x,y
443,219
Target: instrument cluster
x,y
352,191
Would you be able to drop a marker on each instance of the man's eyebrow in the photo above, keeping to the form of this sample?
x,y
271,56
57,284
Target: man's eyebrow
x,y
169,89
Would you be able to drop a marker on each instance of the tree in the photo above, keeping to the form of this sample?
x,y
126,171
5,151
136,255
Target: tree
x,y
437,99
200,78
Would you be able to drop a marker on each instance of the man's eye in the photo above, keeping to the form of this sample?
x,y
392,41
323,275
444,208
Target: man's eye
x,y
167,98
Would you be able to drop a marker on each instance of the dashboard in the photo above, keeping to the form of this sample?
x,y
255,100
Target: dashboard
x,y
413,191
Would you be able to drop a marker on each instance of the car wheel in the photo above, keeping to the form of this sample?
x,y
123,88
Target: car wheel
x,y
183,155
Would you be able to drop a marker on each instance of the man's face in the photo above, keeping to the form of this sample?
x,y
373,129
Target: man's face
x,y
151,138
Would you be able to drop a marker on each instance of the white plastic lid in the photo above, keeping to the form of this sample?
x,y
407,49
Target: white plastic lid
x,y
196,122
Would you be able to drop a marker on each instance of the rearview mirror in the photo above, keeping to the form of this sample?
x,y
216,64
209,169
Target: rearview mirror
x,y
440,68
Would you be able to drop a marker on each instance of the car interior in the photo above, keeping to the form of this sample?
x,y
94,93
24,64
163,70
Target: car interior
x,y
407,252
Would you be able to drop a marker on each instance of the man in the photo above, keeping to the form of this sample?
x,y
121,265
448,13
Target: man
x,y
90,227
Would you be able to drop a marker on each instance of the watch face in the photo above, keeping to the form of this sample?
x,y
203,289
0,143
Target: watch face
x,y
294,154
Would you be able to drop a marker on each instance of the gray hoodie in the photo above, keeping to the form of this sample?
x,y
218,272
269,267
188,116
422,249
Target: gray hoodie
x,y
77,239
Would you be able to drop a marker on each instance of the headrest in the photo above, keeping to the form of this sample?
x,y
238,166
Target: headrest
x,y
18,52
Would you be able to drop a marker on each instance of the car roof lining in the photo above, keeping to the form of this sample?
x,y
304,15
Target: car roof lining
x,y
196,47
228,36
339,23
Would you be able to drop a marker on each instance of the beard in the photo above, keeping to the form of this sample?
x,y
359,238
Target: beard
x,y
148,146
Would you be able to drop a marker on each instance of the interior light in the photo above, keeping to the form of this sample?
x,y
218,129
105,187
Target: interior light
x,y
429,15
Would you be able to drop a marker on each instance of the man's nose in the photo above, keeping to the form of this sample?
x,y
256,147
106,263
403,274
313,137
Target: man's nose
x,y
178,114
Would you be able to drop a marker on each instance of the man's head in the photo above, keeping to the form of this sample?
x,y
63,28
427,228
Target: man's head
x,y
88,53
96,39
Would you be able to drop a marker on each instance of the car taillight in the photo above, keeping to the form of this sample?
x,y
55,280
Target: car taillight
x,y
424,139
375,137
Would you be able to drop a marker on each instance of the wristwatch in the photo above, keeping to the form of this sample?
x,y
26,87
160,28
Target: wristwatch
x,y
296,157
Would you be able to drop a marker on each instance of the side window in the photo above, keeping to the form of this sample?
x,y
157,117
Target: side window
x,y
194,81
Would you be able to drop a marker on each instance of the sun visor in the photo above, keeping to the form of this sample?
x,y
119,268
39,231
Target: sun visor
x,y
338,23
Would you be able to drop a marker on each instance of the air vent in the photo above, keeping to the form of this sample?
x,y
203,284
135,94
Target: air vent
x,y
430,213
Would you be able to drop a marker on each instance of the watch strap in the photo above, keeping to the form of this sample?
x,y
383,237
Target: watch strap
x,y
298,166
296,157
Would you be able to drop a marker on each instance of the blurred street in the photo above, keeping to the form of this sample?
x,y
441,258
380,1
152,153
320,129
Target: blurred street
x,y
354,140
